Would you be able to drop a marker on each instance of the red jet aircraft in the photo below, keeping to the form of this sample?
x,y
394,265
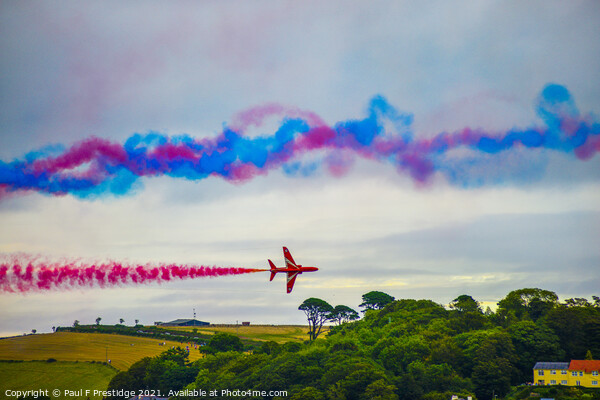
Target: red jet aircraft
x,y
292,269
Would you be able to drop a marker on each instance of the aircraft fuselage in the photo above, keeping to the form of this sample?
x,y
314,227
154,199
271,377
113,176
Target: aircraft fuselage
x,y
291,269
300,269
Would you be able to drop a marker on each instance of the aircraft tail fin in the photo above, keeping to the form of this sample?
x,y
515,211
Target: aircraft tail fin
x,y
273,267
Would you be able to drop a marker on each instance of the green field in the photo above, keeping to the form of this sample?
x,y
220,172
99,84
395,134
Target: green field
x,y
32,375
75,351
277,333
70,346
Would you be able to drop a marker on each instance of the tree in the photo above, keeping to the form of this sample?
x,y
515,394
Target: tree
x,y
469,316
527,303
380,390
533,342
465,303
446,351
395,354
342,314
136,322
375,300
350,377
132,379
167,371
588,355
577,329
98,320
270,347
317,312
34,331
121,320
491,377
53,329
222,342
172,377
292,347
308,393
178,355
577,302
75,323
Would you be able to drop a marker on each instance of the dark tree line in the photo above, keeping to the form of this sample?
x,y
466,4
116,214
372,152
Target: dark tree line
x,y
400,349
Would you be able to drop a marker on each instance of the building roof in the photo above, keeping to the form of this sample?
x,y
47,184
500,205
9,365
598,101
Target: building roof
x,y
180,321
551,365
585,365
185,321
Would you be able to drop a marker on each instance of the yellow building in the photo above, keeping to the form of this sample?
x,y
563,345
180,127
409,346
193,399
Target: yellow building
x,y
551,373
584,373
576,373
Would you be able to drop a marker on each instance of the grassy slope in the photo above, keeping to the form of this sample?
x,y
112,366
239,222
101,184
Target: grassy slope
x,y
69,346
277,333
31,375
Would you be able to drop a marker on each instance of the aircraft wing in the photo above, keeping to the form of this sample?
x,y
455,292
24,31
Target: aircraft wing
x,y
289,261
291,279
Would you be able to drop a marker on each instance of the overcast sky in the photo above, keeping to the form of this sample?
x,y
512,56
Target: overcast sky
x,y
71,70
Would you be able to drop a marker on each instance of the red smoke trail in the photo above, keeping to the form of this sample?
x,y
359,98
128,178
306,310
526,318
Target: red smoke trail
x,y
31,276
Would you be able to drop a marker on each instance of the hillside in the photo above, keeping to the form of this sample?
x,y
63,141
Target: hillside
x,y
276,333
55,375
123,351
400,350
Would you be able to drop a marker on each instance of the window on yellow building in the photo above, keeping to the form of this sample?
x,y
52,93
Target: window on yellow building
x,y
552,372
595,373
553,382
541,372
594,382
563,382
580,373
578,383
563,372
574,373
540,382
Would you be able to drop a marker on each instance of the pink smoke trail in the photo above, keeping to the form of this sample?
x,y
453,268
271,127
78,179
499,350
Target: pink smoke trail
x,y
30,275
